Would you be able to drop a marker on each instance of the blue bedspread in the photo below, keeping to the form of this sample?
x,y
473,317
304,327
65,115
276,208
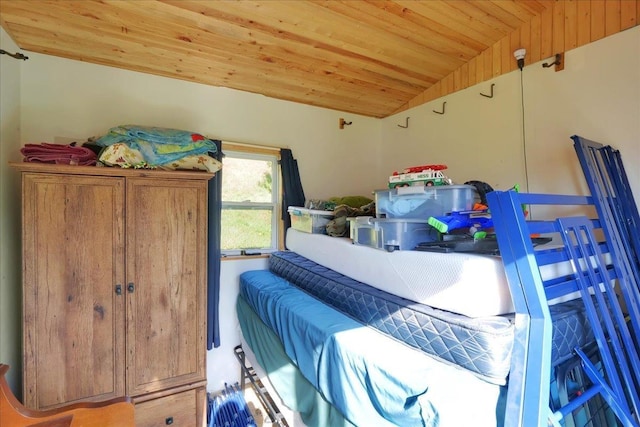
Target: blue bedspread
x,y
371,379
159,146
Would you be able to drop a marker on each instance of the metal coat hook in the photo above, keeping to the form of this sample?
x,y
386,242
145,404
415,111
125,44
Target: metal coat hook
x,y
489,96
16,55
406,123
441,112
559,62
342,123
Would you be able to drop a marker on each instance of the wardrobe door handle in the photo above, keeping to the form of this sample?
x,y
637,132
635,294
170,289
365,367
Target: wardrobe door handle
x,y
131,287
118,289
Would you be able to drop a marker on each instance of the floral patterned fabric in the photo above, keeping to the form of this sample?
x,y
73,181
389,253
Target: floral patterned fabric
x,y
120,154
159,146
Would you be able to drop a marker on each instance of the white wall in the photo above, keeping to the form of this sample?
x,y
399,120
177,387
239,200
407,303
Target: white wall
x,y
10,272
476,137
71,99
222,365
596,96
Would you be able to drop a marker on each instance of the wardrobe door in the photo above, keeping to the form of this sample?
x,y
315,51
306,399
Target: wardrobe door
x,y
73,258
166,281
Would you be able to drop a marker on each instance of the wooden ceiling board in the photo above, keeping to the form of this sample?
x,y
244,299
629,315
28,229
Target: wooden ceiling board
x,y
181,58
355,39
395,19
370,57
504,20
458,20
324,64
522,10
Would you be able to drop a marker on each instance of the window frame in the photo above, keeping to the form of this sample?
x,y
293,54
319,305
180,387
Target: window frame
x,y
248,151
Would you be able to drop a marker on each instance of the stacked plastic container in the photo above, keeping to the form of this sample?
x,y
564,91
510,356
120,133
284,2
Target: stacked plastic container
x,y
402,214
309,220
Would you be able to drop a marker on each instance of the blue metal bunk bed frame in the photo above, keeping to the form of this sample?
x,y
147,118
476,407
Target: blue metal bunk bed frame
x,y
607,179
602,252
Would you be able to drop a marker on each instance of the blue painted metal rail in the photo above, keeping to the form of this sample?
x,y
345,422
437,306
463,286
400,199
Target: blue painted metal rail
x,y
588,256
605,174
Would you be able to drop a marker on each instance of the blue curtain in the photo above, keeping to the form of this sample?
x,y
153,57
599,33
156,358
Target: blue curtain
x,y
291,184
214,255
293,196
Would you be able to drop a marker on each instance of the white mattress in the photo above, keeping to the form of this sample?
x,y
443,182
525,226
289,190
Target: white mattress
x,y
469,284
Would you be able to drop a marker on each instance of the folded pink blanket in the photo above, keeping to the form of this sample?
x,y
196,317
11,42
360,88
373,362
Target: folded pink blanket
x,y
58,154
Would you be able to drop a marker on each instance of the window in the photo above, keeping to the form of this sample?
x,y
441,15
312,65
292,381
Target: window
x,y
250,200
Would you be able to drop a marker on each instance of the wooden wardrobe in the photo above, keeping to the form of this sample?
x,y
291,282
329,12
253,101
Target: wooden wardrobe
x,y
114,289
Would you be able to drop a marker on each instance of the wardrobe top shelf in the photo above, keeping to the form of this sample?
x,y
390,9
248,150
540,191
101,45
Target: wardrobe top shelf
x,y
109,171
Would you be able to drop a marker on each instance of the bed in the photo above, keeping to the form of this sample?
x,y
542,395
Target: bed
x,y
407,338
364,376
434,359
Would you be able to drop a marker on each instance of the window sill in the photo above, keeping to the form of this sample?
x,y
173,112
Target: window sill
x,y
242,257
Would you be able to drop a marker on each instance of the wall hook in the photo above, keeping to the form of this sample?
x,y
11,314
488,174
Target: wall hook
x,y
16,55
343,123
406,123
559,62
441,112
489,96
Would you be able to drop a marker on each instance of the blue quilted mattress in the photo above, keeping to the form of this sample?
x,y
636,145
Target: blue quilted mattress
x,y
480,345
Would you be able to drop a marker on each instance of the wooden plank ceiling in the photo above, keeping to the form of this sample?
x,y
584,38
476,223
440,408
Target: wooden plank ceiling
x,y
371,57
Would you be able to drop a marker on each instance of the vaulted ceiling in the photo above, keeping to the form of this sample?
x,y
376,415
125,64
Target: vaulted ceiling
x,y
371,57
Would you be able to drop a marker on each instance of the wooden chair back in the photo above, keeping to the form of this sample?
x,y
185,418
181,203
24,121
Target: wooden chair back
x,y
118,412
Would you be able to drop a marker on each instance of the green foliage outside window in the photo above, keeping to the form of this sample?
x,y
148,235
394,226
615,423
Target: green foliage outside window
x,y
248,203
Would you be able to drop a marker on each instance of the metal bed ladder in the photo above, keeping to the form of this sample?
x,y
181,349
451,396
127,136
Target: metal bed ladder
x,y
249,377
592,267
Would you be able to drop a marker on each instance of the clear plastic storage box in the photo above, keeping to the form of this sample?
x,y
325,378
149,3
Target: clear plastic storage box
x,y
392,234
422,202
309,220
